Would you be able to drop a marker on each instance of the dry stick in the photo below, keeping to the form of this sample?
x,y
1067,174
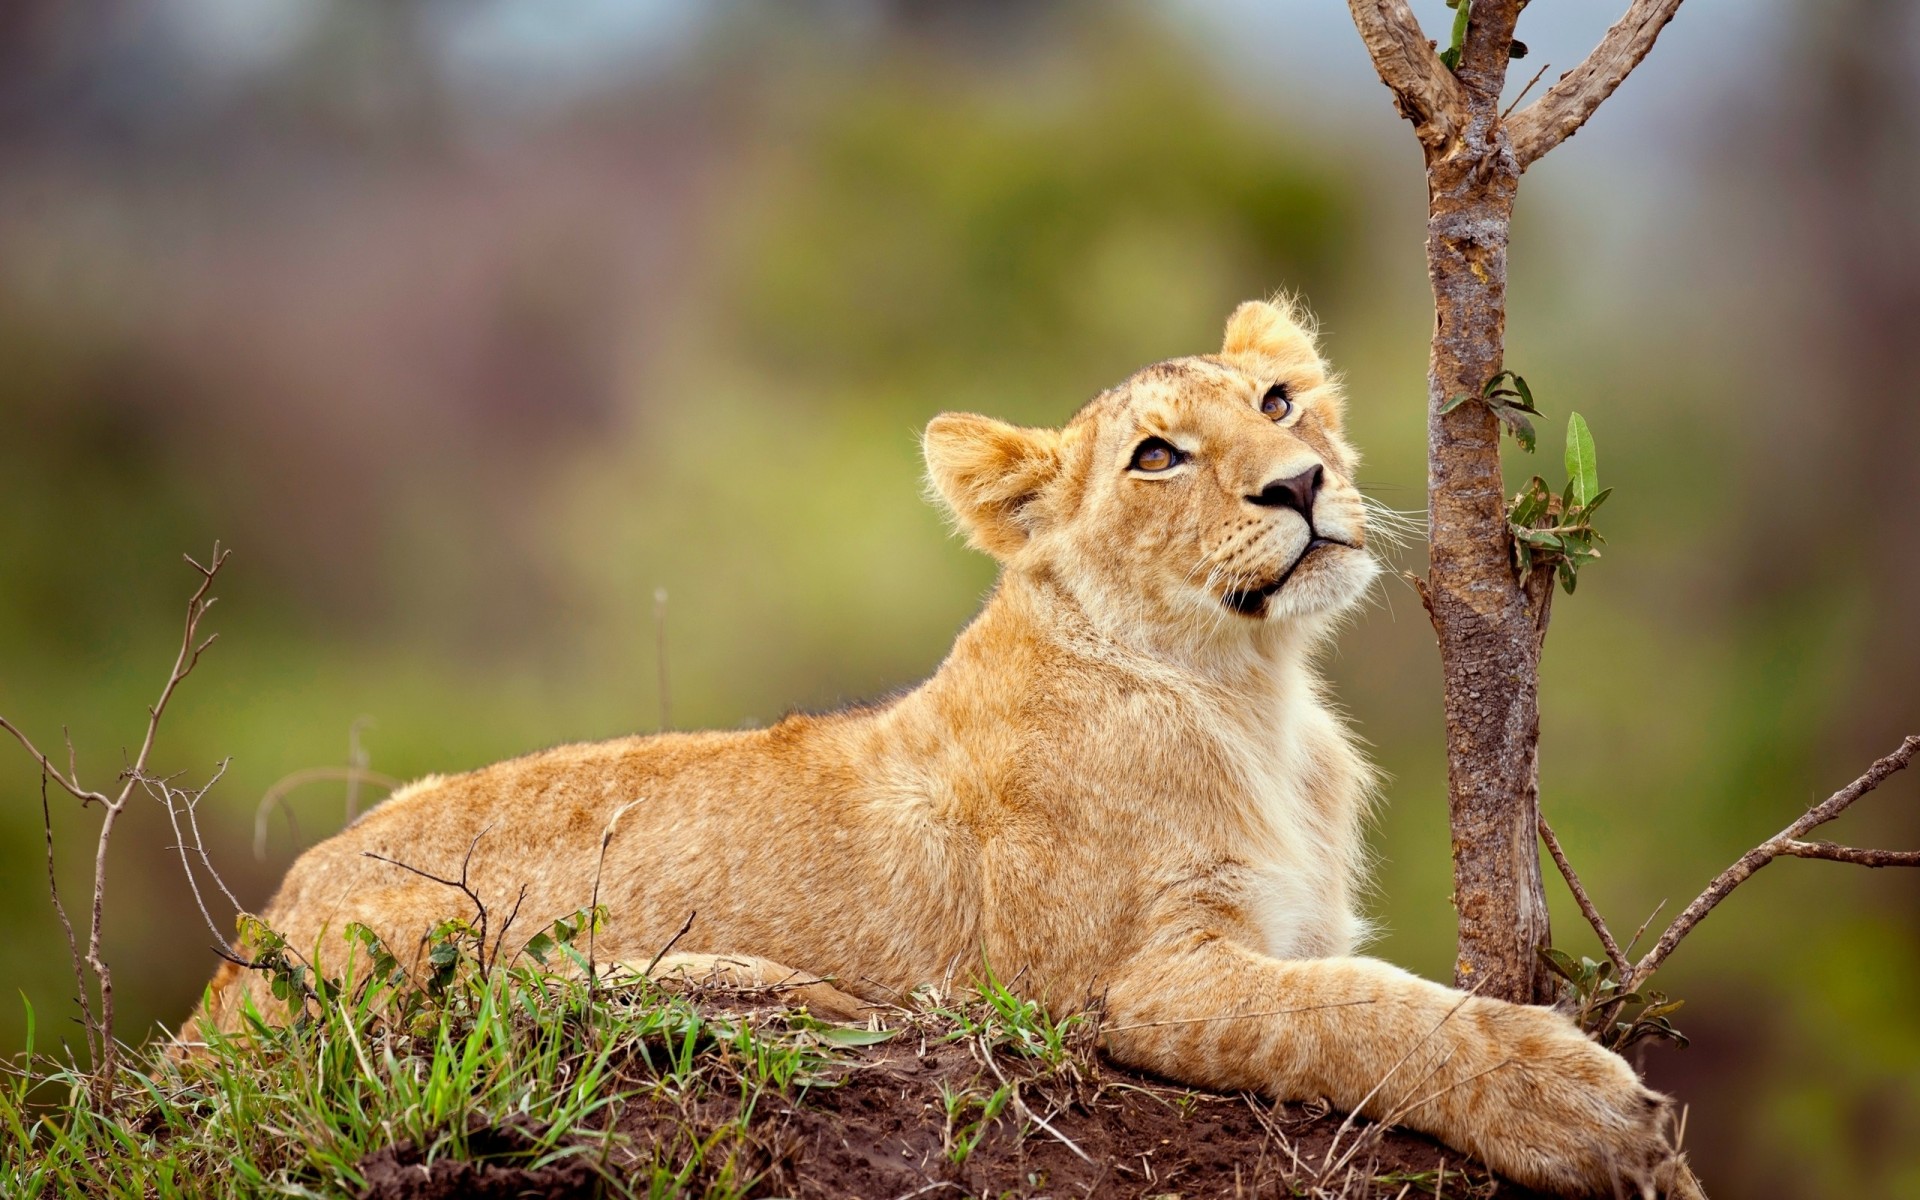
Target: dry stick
x,y
1644,925
1565,107
161,790
1786,842
277,795
500,939
460,884
987,1051
1265,1012
684,926
1391,1071
73,943
1508,110
1614,953
660,655
356,766
593,905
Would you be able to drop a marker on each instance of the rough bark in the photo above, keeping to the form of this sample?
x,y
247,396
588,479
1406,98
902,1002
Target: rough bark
x,y
1489,628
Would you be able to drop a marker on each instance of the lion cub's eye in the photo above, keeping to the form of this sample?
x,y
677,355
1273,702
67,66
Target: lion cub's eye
x,y
1157,454
1276,403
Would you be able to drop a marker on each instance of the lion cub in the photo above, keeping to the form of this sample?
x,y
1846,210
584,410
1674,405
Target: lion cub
x,y
1123,783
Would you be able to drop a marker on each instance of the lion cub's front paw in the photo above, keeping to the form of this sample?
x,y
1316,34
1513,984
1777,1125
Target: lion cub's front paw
x,y
1564,1115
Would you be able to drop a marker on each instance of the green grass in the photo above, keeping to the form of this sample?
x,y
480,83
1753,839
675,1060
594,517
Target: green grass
x,y
293,1109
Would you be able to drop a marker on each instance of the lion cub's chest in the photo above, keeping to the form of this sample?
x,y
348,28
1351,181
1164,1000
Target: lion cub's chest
x,y
1298,850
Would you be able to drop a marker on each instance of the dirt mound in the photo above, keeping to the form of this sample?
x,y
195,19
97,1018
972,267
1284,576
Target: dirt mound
x,y
918,1116
495,1172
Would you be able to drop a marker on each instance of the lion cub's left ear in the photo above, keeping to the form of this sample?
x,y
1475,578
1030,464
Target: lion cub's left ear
x,y
991,474
1278,332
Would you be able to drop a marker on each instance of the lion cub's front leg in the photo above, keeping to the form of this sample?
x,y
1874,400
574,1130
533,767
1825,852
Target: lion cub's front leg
x,y
1518,1087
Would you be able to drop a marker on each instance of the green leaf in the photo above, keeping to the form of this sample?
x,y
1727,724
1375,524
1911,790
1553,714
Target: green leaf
x,y
1587,510
1583,465
1522,428
538,947
1454,402
847,1035
1561,963
1526,396
1568,575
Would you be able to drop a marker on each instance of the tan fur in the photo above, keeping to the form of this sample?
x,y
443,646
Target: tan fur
x,y
1116,789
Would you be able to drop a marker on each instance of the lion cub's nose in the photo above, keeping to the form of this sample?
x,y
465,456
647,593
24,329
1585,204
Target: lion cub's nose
x,y
1296,493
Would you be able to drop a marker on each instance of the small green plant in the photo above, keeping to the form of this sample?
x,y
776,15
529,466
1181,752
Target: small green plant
x,y
1451,55
1004,1019
963,1136
1507,397
1556,531
1617,1019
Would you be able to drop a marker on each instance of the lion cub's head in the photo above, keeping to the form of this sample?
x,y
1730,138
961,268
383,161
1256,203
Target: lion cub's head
x,y
1206,496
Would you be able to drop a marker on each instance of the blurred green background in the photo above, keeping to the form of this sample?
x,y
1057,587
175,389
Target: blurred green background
x,y
468,325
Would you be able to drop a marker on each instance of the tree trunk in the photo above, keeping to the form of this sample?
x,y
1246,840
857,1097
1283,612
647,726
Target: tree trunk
x,y
1490,623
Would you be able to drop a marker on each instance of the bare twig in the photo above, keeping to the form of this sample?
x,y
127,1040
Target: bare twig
x,y
188,656
500,939
1390,1073
1851,854
593,904
1508,110
1424,91
73,943
1581,898
986,1052
354,774
357,761
68,783
1786,842
684,926
1644,926
178,801
1265,1012
460,885
660,656
1565,107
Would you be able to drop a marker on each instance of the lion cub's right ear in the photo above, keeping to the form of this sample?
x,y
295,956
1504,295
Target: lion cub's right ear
x,y
990,474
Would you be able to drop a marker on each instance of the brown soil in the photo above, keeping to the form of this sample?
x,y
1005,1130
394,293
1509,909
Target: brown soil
x,y
881,1132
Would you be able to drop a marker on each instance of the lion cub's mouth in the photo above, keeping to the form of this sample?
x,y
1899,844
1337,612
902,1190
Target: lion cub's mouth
x,y
1252,602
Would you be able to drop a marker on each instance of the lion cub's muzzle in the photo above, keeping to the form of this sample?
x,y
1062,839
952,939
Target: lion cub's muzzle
x,y
1252,602
1297,492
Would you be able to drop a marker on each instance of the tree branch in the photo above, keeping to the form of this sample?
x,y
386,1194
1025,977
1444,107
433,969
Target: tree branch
x,y
1565,107
1424,91
1851,854
1581,898
1787,842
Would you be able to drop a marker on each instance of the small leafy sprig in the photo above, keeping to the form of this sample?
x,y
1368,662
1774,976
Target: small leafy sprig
x,y
1451,55
1615,1018
1509,398
1557,531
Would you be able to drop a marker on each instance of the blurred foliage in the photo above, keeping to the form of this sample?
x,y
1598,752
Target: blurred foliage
x,y
463,393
